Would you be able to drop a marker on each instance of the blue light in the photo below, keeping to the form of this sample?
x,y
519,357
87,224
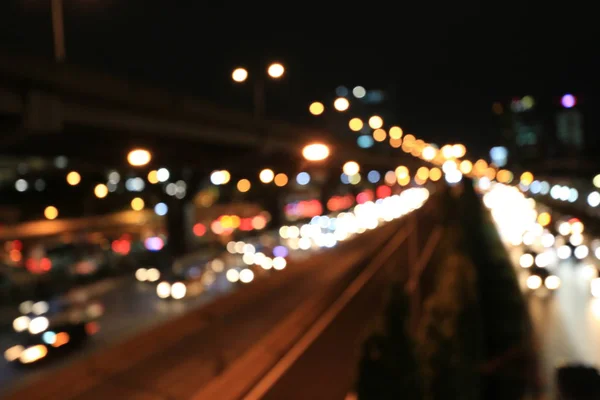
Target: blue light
x,y
341,91
345,179
373,176
49,337
161,209
365,141
303,178
154,243
280,251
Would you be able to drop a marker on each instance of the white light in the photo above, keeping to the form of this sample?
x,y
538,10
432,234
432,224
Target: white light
x,y
26,307
153,275
39,308
581,252
576,239
21,323
141,274
359,92
246,275
593,199
232,275
542,260
279,263
590,271
163,175
548,240
564,228
534,282
161,209
453,176
552,282
178,290
563,252
38,325
163,290
526,260
21,185
595,286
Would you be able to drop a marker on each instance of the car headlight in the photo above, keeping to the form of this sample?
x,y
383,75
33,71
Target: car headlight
x,y
552,282
178,290
163,290
152,275
38,325
21,323
141,274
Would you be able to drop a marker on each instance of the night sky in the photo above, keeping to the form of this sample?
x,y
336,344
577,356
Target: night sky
x,y
442,67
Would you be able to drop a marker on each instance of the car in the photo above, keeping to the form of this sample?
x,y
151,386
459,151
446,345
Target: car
x,y
45,328
540,278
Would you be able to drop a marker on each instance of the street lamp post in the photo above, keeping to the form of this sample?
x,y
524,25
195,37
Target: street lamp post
x,y
274,71
58,29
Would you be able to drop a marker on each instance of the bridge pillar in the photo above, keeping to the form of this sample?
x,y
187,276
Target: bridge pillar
x,y
180,222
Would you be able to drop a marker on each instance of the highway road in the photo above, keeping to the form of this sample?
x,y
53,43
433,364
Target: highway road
x,y
131,307
180,369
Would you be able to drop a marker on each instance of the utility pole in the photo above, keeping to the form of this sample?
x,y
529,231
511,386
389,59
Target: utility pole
x,y
58,29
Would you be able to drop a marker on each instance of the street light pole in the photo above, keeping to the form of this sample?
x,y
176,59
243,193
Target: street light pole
x,y
58,29
259,100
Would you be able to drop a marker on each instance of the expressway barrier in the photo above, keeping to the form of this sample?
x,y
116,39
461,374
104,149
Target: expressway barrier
x,y
174,360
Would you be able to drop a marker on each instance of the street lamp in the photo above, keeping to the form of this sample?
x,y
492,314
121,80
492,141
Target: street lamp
x,y
315,152
138,157
274,71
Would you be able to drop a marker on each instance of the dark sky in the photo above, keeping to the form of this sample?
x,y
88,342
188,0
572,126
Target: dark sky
x,y
441,65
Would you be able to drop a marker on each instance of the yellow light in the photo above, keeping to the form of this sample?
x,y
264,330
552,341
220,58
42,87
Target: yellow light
x,y
276,70
244,185
429,153
435,174
153,177
401,172
526,178
375,122
423,173
137,204
281,180
447,151
266,175
226,176
503,176
315,152
405,180
355,124
379,135
239,74
316,108
138,157
51,212
101,191
341,104
395,143
395,132
544,219
73,178
351,168
466,166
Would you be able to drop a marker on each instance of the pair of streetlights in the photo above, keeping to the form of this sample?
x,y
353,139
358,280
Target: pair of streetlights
x,y
274,71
